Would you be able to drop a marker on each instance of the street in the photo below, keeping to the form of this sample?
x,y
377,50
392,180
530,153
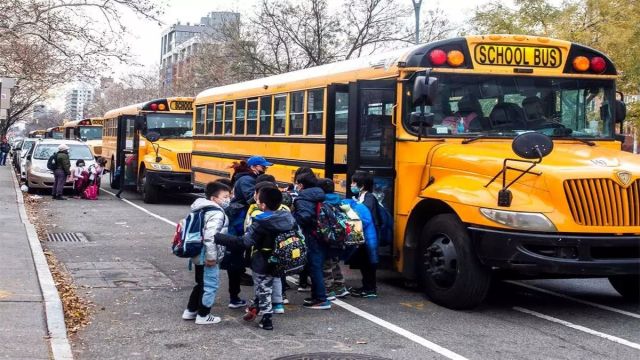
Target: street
x,y
140,289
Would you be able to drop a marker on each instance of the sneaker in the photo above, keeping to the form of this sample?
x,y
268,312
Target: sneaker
x,y
331,295
362,293
308,300
207,320
285,300
341,292
370,294
278,308
251,314
266,323
318,305
189,315
304,288
237,303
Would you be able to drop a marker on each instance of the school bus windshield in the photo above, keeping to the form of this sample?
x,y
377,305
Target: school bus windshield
x,y
170,125
506,106
91,132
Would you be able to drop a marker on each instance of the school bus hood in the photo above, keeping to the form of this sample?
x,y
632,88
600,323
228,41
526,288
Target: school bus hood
x,y
568,160
171,145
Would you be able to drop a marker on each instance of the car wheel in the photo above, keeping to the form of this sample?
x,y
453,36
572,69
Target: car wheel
x,y
451,272
627,285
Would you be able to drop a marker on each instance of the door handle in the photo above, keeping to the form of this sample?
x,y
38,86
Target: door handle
x,y
393,115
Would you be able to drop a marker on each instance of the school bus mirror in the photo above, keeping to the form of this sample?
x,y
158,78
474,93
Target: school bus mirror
x,y
140,122
532,145
417,119
425,90
621,111
153,136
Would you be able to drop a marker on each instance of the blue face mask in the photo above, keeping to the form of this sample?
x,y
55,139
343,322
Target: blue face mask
x,y
355,190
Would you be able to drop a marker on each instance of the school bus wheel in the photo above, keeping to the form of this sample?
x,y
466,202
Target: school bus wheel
x,y
149,191
451,273
627,285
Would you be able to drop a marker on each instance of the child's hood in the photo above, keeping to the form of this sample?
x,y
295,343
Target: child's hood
x,y
202,203
278,221
332,198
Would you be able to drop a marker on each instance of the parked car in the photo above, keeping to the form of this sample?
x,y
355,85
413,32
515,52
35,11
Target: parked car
x,y
16,144
38,175
20,156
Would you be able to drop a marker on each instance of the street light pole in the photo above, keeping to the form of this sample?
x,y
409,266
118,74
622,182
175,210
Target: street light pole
x,y
416,8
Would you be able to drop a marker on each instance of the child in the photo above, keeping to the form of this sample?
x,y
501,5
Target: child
x,y
261,236
218,197
79,178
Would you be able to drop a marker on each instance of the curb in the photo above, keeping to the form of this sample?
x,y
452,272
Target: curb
x,y
60,347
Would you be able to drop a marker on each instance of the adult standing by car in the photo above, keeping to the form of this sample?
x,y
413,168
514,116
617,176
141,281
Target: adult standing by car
x,y
61,172
4,151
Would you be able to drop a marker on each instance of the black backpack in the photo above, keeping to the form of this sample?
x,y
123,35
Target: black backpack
x,y
51,163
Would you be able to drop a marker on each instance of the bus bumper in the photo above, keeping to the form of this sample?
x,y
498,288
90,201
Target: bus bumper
x,y
170,180
559,254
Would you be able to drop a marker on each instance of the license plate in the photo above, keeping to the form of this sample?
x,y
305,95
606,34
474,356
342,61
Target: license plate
x,y
525,56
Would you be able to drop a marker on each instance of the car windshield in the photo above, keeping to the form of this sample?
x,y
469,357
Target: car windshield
x,y
468,106
76,152
26,146
170,125
91,132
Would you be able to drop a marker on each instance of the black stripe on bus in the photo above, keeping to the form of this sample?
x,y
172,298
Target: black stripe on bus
x,y
211,172
279,161
305,140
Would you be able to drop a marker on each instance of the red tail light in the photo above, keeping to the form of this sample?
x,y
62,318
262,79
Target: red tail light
x,y
153,107
598,65
438,57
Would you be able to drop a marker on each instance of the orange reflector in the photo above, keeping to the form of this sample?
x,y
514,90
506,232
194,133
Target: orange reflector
x,y
162,107
455,58
581,63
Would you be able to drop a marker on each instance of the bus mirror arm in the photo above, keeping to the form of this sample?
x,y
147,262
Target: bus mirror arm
x,y
504,195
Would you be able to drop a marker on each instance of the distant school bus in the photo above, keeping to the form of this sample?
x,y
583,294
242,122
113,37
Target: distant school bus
x,y
56,132
88,130
37,133
152,143
491,152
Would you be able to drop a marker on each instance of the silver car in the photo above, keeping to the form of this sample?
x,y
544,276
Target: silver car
x,y
27,146
38,175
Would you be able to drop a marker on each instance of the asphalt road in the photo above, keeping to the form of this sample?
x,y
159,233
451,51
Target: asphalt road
x,y
140,289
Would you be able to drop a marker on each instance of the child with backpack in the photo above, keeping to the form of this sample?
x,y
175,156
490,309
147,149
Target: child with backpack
x,y
214,222
80,178
272,227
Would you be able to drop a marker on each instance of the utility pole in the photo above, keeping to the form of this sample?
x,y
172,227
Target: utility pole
x,y
416,8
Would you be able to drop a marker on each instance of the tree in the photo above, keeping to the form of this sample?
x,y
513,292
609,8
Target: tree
x,y
45,43
135,88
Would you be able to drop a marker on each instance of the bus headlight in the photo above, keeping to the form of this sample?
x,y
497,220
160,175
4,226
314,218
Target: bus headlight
x,y
161,167
520,220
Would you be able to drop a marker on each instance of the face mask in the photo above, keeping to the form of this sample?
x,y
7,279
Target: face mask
x,y
296,188
225,203
355,190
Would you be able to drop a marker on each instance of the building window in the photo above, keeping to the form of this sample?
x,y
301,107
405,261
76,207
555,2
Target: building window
x,y
265,115
296,113
228,118
199,120
315,106
279,114
240,106
218,120
210,109
252,117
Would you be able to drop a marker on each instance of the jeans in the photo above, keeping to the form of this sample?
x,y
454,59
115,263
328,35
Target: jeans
x,y
59,178
316,256
203,294
3,158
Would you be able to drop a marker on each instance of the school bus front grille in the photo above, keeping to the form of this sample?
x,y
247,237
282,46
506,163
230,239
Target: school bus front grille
x,y
184,160
603,202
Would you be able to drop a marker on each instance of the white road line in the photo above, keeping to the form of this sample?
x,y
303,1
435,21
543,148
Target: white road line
x,y
585,302
387,325
143,209
579,328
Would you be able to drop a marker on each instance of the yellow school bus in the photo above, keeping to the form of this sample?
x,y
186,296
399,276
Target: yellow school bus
x,y
493,152
88,130
56,132
150,145
37,133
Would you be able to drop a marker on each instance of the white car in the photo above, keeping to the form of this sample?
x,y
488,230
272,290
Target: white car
x,y
38,175
21,160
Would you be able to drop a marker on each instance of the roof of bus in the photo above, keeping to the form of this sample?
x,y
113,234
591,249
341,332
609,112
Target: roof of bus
x,y
134,109
76,122
375,66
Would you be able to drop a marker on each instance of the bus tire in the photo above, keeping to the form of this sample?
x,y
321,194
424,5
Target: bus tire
x,y
150,193
627,285
112,180
451,272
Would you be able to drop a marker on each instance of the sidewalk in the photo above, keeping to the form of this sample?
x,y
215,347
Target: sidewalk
x,y
23,319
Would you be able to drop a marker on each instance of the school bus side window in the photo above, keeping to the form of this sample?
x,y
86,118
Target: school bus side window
x,y
315,104
252,116
218,120
279,114
240,106
265,115
210,110
228,118
296,113
200,120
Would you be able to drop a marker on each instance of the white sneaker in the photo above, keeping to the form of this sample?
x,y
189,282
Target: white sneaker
x,y
206,320
188,315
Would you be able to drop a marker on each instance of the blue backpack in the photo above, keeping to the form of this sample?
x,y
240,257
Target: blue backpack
x,y
188,240
385,227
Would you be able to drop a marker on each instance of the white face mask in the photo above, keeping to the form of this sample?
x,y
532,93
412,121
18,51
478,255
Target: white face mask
x,y
225,203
